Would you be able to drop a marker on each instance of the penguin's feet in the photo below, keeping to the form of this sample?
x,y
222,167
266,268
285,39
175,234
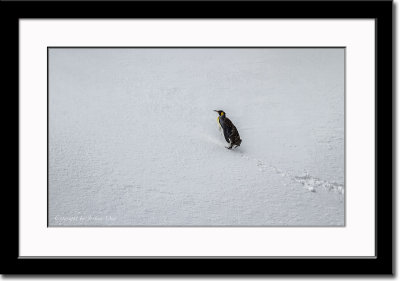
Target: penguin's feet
x,y
228,147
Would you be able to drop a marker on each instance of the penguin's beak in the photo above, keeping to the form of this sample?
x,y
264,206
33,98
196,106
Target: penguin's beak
x,y
216,110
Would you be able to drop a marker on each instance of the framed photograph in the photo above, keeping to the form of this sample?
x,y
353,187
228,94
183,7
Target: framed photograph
x,y
200,137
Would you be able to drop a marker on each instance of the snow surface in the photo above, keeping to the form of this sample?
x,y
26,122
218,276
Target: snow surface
x,y
134,140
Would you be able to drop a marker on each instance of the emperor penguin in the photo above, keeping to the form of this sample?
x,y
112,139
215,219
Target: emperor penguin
x,y
231,134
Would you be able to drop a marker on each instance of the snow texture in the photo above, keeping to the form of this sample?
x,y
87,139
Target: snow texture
x,y
134,140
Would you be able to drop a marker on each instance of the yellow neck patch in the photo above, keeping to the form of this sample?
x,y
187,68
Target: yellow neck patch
x,y
222,113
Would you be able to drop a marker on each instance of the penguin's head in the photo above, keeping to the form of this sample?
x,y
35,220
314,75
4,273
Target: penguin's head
x,y
220,112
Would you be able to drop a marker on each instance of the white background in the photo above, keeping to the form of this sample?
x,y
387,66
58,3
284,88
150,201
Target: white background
x,y
288,278
356,239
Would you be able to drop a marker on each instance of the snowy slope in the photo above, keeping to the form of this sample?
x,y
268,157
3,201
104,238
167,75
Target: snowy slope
x,y
133,138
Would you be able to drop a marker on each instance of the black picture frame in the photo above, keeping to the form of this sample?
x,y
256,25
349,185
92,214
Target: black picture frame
x,y
11,12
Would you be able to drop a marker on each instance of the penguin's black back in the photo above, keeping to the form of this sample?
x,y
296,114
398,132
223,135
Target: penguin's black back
x,y
229,130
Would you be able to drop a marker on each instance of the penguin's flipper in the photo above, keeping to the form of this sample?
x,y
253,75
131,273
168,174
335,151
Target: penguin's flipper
x,y
226,135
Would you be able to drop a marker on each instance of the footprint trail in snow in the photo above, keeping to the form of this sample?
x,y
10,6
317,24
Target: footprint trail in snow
x,y
309,182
